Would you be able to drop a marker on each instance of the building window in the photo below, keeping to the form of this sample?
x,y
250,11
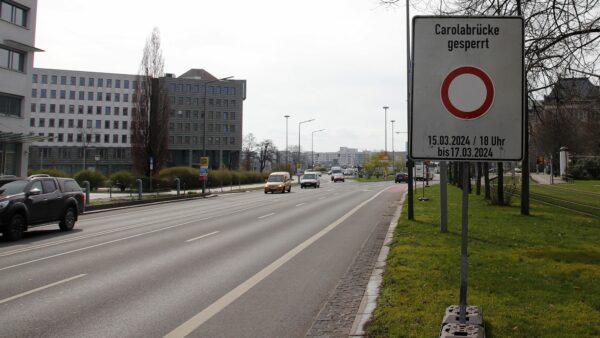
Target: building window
x,y
71,109
108,83
79,138
98,110
125,111
107,124
124,125
71,95
52,108
107,96
53,79
42,107
90,82
117,83
50,137
98,124
44,79
42,122
34,93
98,96
61,137
71,123
97,138
88,123
33,106
61,123
32,122
117,97
43,93
90,110
81,95
232,115
115,124
63,80
115,138
34,78
232,128
126,84
51,123
69,137
82,81
106,110
73,81
79,123
90,96
125,97
53,93
80,109
106,138
13,14
100,83
61,108
63,94
123,138
116,111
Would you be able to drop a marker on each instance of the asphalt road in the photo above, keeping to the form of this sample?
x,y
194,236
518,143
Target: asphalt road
x,y
238,265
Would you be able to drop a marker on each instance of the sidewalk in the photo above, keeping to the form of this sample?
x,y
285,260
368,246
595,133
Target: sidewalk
x,y
104,194
545,179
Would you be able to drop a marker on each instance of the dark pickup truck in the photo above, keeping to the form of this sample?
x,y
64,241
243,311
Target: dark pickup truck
x,y
38,200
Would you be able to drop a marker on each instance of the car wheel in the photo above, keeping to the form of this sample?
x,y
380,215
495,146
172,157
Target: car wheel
x,y
15,228
266,192
68,221
290,189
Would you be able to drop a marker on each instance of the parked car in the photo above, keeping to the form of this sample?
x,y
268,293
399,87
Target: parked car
x,y
38,200
310,180
278,181
337,177
401,177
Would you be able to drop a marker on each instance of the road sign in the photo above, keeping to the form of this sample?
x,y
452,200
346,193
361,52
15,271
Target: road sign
x,y
204,162
467,101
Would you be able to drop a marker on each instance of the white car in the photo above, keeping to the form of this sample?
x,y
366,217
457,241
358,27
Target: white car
x,y
310,180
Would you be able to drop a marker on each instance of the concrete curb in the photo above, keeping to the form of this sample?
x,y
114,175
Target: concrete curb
x,y
369,300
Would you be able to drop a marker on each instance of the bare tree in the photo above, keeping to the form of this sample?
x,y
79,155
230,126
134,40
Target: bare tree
x,y
248,151
266,153
150,113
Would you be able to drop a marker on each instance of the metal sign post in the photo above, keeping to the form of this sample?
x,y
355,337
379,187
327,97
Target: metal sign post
x,y
467,105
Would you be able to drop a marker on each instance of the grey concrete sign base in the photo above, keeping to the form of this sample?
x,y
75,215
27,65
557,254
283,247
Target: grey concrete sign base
x,y
461,331
474,325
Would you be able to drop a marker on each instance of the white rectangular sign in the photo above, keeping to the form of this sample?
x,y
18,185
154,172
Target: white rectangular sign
x,y
467,89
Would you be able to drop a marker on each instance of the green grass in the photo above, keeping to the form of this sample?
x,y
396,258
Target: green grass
x,y
533,276
373,179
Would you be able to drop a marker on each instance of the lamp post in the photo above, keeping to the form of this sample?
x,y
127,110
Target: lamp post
x,y
204,122
299,125
385,108
393,151
312,148
287,117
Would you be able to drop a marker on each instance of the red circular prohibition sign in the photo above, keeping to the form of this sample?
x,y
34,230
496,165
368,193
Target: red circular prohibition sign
x,y
489,97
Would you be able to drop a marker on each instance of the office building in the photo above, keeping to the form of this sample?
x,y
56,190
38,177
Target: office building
x,y
17,37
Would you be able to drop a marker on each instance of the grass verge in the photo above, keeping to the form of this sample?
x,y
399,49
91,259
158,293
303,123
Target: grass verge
x,y
533,276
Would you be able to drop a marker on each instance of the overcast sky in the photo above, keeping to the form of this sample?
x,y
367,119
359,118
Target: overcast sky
x,y
337,61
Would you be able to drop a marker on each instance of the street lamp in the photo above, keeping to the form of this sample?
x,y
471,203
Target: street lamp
x,y
385,108
393,151
287,117
204,122
312,147
299,125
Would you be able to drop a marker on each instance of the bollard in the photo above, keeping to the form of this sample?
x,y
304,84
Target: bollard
x,y
157,189
178,183
110,190
139,184
86,186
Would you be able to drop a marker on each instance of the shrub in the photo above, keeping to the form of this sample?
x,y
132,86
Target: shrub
x,y
188,177
122,179
586,169
95,178
49,171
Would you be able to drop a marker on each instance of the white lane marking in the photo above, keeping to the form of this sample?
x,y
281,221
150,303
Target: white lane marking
x,y
300,204
320,198
205,235
267,215
329,189
99,244
193,323
40,289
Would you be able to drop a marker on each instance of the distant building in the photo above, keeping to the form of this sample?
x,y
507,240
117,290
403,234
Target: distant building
x,y
199,101
17,37
85,118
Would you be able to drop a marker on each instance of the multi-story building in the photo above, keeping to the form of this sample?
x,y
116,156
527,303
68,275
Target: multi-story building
x,y
85,118
199,101
17,36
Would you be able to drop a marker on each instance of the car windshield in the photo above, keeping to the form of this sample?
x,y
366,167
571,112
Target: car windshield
x,y
336,171
276,178
13,188
309,176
